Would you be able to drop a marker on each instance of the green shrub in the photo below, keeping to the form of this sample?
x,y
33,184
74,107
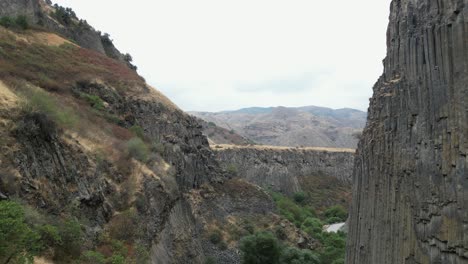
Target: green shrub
x,y
94,101
291,210
18,243
92,257
292,255
50,235
116,259
7,21
260,248
41,101
22,22
312,226
141,254
138,149
72,238
299,197
333,220
336,211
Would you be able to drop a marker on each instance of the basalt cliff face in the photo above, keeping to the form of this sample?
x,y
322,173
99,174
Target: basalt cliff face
x,y
324,173
410,202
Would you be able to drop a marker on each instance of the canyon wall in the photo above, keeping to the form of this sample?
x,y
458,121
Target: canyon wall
x,y
410,202
324,173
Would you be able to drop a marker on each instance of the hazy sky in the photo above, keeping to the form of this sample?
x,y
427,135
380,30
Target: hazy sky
x,y
211,55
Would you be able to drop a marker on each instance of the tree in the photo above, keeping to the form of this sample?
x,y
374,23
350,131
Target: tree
x,y
18,243
260,248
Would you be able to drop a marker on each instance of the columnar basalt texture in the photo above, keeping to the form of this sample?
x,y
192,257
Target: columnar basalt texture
x,y
410,201
281,169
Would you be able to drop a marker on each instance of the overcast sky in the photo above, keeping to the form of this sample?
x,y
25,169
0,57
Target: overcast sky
x,y
212,55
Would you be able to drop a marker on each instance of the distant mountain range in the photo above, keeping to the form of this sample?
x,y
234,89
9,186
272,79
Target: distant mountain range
x,y
290,126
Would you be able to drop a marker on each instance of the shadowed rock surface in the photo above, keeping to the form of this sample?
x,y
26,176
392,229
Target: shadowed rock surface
x,y
410,200
325,173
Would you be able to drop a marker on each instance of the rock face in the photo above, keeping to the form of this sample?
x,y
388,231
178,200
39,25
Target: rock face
x,y
291,170
410,200
40,12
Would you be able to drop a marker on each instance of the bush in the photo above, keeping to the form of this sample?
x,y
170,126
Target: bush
x,y
50,235
260,248
336,211
22,22
334,220
95,101
138,149
291,210
141,254
312,226
41,101
292,255
92,257
72,238
299,197
18,243
7,21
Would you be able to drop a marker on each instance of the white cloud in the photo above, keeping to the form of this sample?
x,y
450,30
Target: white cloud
x,y
325,53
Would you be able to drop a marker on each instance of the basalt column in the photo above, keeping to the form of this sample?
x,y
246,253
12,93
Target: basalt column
x,y
410,194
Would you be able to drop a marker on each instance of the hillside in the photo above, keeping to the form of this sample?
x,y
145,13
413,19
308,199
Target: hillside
x,y
302,126
220,135
99,167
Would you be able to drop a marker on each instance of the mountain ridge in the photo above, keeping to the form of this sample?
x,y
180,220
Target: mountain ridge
x,y
292,126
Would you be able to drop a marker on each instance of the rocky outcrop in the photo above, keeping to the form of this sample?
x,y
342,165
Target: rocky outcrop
x,y
280,168
410,178
41,12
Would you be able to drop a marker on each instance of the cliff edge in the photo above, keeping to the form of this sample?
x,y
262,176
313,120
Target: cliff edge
x,y
410,200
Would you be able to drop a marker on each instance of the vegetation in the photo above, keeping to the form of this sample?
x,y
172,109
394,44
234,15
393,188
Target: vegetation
x,y
94,101
38,100
138,131
300,197
336,214
25,233
260,248
56,68
138,149
18,242
232,169
332,248
19,22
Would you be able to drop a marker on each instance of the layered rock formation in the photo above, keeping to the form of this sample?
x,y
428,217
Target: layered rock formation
x,y
292,170
410,200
